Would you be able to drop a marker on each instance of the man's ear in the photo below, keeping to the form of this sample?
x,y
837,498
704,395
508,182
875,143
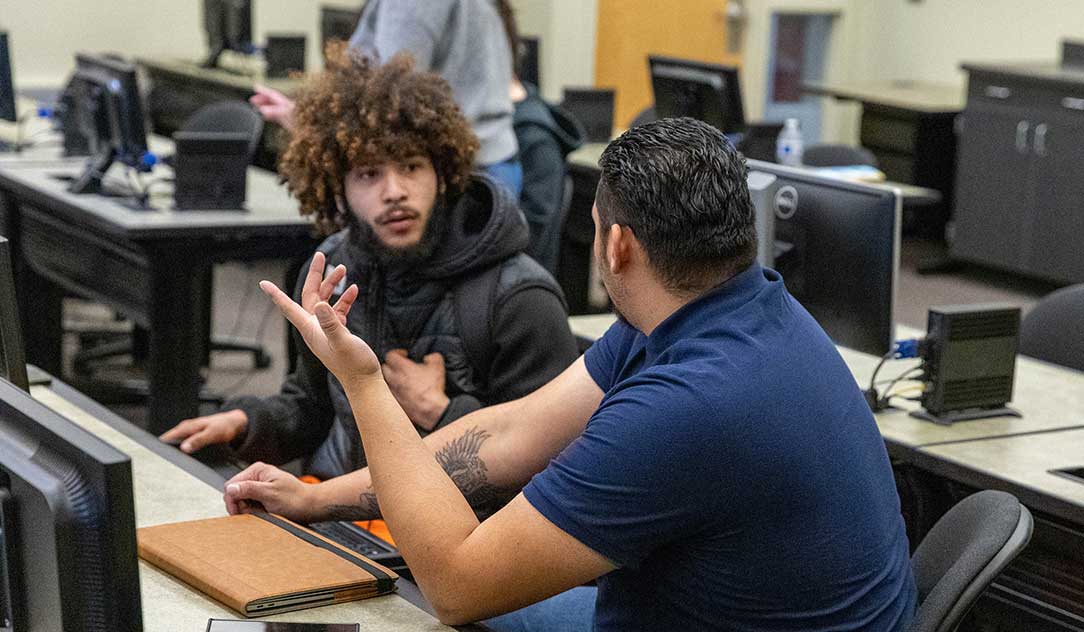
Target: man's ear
x,y
618,242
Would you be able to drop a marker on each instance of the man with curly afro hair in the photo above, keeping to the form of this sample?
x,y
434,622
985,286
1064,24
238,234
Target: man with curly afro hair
x,y
460,317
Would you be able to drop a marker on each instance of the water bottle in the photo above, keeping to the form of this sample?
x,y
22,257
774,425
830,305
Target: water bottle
x,y
788,146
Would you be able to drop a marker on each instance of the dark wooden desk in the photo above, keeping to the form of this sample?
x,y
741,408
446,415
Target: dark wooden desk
x,y
151,265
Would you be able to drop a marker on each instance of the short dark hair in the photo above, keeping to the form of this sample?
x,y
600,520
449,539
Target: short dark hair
x,y
680,186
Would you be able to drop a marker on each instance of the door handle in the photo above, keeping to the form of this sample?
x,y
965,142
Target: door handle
x,y
1022,136
1040,139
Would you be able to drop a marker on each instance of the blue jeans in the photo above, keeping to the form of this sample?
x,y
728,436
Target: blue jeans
x,y
570,611
509,173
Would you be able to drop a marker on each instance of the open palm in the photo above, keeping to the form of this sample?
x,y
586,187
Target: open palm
x,y
322,326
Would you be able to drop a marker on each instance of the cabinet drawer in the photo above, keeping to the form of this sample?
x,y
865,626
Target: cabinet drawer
x,y
1043,98
84,263
886,132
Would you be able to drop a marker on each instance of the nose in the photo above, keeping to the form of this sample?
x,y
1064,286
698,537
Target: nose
x,y
394,189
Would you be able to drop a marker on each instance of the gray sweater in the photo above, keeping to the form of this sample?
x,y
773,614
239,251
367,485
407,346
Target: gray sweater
x,y
462,41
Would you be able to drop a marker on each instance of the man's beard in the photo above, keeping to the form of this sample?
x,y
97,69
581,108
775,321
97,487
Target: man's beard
x,y
363,236
616,294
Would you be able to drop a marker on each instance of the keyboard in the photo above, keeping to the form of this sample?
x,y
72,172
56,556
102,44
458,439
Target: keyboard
x,y
360,541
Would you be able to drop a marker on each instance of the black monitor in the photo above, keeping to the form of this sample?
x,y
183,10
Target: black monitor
x,y
67,520
12,356
337,23
837,246
228,24
109,111
594,109
7,83
706,92
527,67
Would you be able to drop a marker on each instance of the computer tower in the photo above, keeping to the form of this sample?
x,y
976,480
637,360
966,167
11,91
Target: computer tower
x,y
970,360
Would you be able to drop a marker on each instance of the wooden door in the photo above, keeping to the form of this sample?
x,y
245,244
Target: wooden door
x,y
629,30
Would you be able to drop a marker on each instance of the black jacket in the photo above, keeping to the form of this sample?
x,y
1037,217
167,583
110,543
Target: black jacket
x,y
546,134
414,307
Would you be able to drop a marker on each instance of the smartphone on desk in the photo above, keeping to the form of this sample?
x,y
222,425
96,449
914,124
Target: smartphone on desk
x,y
232,625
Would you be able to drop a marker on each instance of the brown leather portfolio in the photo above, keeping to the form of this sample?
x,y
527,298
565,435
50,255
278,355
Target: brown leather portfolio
x,y
262,564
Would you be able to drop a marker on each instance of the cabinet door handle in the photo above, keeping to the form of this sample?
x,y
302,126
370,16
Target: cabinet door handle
x,y
997,92
1040,139
1072,103
1022,136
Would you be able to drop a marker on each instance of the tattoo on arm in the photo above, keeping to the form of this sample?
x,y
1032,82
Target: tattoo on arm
x,y
468,471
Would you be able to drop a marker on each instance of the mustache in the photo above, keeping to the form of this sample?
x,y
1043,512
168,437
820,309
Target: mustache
x,y
397,212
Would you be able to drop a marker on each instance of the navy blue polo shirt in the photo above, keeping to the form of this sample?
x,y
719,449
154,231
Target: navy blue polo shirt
x,y
735,474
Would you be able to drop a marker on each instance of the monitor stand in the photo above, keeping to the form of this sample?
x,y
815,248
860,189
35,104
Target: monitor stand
x,y
90,181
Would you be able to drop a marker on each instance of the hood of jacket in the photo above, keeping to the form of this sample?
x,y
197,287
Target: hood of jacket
x,y
534,111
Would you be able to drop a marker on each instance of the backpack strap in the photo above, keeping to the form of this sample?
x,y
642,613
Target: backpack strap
x,y
474,300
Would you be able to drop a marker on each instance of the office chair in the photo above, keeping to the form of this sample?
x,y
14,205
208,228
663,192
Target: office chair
x,y
223,116
837,156
963,553
1051,331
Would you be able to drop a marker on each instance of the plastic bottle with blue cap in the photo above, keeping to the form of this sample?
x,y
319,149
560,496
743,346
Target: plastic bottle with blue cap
x,y
788,146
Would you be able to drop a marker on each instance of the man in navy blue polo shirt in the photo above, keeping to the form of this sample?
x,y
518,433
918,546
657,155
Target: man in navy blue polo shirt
x,y
710,460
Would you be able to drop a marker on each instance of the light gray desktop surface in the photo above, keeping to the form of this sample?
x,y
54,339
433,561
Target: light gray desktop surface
x,y
164,492
1050,397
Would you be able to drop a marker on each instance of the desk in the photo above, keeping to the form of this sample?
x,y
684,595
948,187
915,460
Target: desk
x,y
936,466
910,127
152,265
181,489
179,87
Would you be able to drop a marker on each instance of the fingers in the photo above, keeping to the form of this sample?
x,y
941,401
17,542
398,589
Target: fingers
x,y
181,431
235,503
328,285
291,310
333,328
434,360
199,440
310,290
246,496
396,359
346,301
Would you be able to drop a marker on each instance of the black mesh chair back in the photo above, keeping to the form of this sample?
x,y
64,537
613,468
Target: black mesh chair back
x,y
228,116
837,156
1051,330
963,553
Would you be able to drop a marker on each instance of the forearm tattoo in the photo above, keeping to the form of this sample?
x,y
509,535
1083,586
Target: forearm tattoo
x,y
468,471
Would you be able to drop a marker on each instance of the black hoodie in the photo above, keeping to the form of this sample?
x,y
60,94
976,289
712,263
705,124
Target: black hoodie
x,y
411,306
546,134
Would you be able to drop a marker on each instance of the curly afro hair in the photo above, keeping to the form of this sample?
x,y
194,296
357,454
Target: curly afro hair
x,y
359,113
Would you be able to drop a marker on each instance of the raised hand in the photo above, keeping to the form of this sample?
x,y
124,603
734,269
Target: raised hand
x,y
322,326
274,106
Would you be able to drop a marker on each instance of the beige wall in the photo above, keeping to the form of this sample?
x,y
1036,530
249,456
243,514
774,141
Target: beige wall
x,y
566,29
46,33
928,40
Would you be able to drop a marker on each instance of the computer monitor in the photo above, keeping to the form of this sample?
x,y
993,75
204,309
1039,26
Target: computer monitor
x,y
594,109
7,82
228,24
837,246
337,23
67,520
109,110
527,66
12,356
707,92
